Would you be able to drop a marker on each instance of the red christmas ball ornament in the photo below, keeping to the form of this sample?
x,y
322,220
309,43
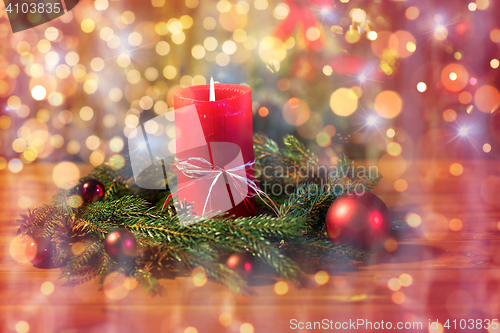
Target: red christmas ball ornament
x,y
241,263
91,190
360,220
38,250
120,243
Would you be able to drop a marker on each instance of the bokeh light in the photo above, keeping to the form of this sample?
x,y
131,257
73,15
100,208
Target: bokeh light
x,y
391,245
272,48
87,25
263,111
343,102
114,287
225,319
162,48
495,35
321,277
47,288
421,86
38,92
412,13
465,97
482,4
449,115
22,327
440,32
15,165
402,43
388,104
456,169
394,284
246,328
401,185
76,91
394,148
405,280
352,36
281,288
296,112
455,224
199,276
17,248
413,220
97,157
65,175
398,297
117,162
372,35
487,98
454,77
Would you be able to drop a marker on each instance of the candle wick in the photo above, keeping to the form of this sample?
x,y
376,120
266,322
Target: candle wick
x,y
212,90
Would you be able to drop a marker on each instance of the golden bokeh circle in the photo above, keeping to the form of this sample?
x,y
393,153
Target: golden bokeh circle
x,y
65,175
449,115
454,77
402,43
487,99
388,104
344,102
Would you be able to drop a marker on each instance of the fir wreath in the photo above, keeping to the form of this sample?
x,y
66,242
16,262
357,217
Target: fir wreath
x,y
285,244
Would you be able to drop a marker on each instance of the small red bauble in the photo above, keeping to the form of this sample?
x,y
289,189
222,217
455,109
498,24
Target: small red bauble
x,y
38,250
120,243
241,263
91,190
360,220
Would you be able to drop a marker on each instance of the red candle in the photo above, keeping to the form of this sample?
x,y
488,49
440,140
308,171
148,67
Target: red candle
x,y
222,134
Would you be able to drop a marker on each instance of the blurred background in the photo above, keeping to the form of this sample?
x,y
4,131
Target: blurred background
x,y
410,86
385,81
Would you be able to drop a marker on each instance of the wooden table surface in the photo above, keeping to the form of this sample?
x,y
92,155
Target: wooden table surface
x,y
455,274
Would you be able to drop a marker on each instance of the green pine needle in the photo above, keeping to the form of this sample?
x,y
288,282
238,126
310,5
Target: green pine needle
x,y
281,243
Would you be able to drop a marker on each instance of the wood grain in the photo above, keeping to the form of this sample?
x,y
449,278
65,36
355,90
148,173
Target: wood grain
x,y
455,274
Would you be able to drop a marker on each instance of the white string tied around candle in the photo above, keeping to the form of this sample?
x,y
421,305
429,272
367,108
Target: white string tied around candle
x,y
200,169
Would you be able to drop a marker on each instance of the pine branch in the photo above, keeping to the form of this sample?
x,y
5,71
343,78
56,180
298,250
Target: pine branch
x,y
77,262
147,281
298,153
279,242
104,265
87,274
40,221
266,150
